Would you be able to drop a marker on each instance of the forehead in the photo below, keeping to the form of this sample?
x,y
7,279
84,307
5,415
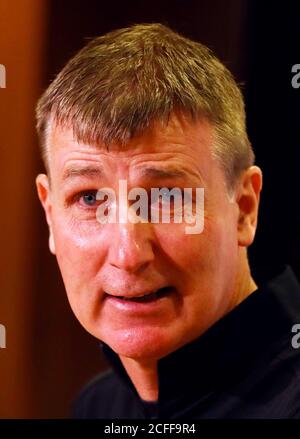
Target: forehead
x,y
177,144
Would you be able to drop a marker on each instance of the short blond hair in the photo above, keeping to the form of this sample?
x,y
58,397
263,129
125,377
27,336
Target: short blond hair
x,y
119,83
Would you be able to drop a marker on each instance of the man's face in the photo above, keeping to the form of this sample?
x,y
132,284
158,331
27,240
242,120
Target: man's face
x,y
101,261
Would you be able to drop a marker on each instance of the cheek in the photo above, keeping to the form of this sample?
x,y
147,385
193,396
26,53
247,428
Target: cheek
x,y
79,251
80,254
211,247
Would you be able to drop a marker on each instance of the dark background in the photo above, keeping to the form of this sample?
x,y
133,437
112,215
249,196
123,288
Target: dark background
x,y
259,42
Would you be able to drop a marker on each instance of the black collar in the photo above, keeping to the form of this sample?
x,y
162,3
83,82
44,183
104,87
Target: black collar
x,y
226,351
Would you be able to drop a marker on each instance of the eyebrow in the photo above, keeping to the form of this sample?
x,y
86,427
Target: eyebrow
x,y
148,172
154,172
89,171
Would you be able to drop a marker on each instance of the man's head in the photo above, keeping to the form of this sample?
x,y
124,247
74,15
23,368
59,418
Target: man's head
x,y
150,107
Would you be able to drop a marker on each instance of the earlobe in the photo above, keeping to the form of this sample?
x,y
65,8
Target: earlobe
x,y
248,203
51,242
43,189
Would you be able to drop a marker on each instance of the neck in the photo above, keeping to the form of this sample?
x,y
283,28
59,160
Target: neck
x,y
143,375
245,284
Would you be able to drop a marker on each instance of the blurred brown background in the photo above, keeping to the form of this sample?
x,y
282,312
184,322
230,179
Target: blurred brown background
x,y
49,356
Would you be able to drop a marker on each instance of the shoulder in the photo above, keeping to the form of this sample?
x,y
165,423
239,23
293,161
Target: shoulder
x,y
272,387
96,396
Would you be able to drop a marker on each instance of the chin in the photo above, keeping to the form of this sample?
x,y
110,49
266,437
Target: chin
x,y
139,343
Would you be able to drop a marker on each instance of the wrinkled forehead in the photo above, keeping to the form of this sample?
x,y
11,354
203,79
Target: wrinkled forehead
x,y
179,151
179,131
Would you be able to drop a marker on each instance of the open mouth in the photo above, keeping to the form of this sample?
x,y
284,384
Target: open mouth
x,y
161,292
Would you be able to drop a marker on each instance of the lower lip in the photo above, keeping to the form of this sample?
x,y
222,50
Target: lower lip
x,y
139,307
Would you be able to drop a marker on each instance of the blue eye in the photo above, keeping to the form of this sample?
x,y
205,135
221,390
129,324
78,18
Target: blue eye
x,y
89,198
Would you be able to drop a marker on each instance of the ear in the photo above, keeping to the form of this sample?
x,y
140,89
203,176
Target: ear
x,y
44,194
248,194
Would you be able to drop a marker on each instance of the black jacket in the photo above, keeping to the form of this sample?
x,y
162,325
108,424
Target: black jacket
x,y
244,366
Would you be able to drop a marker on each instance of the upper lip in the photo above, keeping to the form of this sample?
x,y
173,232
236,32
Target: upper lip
x,y
140,294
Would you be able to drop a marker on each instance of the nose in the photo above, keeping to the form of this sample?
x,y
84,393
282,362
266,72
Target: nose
x,y
131,247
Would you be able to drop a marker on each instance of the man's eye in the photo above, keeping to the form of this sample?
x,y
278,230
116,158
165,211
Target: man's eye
x,y
166,200
88,198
